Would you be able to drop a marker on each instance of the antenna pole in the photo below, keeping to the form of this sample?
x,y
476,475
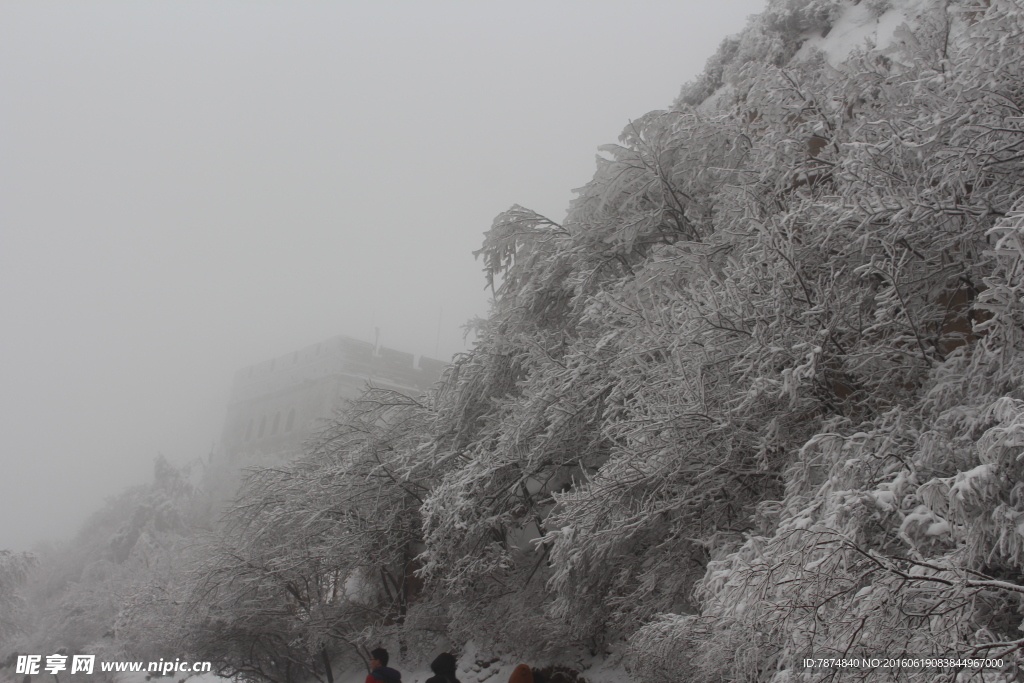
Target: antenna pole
x,y
437,341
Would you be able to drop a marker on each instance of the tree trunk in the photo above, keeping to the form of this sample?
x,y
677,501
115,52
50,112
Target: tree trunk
x,y
327,664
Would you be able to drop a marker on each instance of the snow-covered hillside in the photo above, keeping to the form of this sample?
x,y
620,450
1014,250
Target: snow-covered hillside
x,y
756,401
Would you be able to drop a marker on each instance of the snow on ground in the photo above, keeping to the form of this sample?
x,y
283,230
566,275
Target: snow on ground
x,y
143,677
859,27
594,670
498,670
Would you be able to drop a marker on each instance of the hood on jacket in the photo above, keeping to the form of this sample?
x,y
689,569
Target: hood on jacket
x,y
521,674
443,665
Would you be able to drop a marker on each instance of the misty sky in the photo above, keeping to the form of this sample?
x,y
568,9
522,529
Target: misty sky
x,y
190,187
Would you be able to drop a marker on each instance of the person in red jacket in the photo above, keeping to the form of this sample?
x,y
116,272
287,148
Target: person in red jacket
x,y
379,670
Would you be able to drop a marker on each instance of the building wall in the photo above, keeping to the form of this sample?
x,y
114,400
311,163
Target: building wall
x,y
278,404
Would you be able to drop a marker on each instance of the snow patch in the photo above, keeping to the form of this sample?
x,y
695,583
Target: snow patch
x,y
858,27
968,485
884,499
714,101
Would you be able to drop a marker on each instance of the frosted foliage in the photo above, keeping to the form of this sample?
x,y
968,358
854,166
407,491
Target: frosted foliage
x,y
901,527
763,375
316,559
757,398
14,570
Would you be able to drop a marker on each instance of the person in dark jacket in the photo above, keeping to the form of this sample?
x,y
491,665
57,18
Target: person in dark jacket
x,y
443,667
379,670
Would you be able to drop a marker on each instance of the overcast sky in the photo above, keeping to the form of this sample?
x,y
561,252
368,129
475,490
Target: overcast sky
x,y
190,187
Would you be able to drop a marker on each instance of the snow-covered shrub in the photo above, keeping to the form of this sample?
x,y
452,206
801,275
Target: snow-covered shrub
x,y
740,361
757,398
900,527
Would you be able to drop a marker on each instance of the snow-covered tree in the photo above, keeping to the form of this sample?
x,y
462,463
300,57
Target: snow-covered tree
x,y
81,593
896,532
14,570
317,556
756,398
744,364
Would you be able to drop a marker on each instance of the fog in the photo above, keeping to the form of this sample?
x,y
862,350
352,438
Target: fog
x,y
190,187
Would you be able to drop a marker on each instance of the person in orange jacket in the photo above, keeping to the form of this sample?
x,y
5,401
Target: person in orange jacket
x,y
521,674
379,670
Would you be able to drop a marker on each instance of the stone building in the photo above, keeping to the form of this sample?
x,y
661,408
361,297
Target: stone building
x,y
277,404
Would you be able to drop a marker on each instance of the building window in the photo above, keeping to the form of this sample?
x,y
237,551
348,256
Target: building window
x,y
291,420
263,426
277,423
